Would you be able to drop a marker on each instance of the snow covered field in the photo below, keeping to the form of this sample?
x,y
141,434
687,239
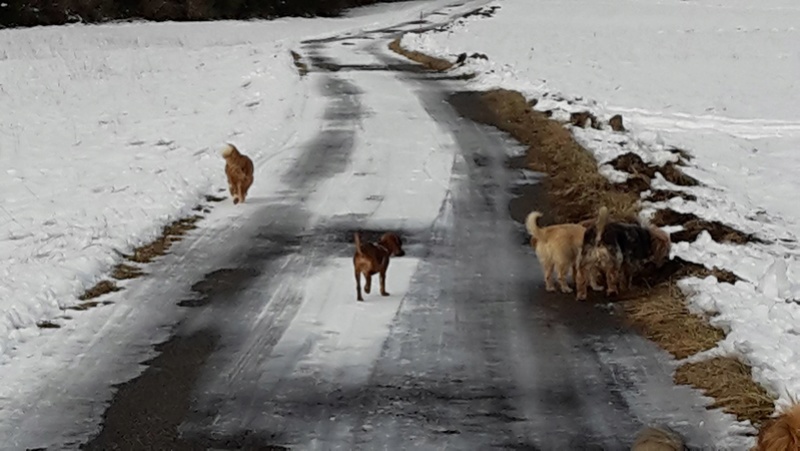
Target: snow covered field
x,y
109,132
718,79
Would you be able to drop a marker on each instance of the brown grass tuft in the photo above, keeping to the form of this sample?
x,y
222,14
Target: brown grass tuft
x,y
302,68
573,181
160,246
661,195
89,304
101,288
616,123
47,325
430,62
123,272
730,383
660,314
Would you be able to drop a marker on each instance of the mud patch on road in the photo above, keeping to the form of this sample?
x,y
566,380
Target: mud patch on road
x,y
130,424
222,283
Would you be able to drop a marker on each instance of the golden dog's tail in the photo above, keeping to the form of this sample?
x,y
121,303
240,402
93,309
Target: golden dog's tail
x,y
229,150
358,243
653,438
602,220
782,433
532,223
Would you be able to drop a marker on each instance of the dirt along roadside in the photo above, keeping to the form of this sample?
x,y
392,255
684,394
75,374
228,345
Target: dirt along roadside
x,y
655,307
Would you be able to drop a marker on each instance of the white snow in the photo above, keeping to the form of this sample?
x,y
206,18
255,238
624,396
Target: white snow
x,y
109,132
718,79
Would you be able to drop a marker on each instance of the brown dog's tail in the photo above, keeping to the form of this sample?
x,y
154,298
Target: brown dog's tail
x,y
358,243
229,150
602,220
782,433
653,438
532,223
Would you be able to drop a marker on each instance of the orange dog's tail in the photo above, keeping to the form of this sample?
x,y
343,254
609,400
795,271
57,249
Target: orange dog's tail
x,y
532,223
358,243
782,433
229,150
602,220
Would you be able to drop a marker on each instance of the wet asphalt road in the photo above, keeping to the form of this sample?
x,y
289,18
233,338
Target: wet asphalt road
x,y
478,355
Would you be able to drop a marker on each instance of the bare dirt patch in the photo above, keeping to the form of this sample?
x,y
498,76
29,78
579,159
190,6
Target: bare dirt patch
x,y
694,226
662,195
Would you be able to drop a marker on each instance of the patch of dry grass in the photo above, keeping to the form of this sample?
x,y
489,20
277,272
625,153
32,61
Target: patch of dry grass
x,y
302,68
437,64
730,383
101,288
169,235
123,272
660,314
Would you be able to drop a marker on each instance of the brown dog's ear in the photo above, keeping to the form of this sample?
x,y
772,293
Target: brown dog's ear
x,y
393,243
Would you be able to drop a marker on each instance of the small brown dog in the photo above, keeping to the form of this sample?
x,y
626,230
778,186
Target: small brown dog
x,y
616,249
782,433
373,258
557,247
239,170
654,438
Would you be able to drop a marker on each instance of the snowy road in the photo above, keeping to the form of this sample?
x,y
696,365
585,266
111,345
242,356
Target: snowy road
x,y
468,352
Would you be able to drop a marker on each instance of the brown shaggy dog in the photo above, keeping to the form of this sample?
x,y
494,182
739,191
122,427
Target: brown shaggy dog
x,y
239,170
617,249
557,247
373,258
654,438
782,433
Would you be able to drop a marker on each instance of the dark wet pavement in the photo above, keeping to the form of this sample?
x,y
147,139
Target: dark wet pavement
x,y
478,355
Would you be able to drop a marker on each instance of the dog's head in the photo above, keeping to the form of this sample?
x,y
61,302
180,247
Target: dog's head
x,y
659,245
393,243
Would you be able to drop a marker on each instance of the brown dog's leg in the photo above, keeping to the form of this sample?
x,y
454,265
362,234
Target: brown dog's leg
x,y
580,282
368,284
358,287
383,283
612,281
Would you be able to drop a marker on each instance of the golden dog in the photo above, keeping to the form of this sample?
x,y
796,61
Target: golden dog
x,y
654,438
557,247
782,433
239,170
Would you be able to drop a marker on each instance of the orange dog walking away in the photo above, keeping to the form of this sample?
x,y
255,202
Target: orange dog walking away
x,y
239,170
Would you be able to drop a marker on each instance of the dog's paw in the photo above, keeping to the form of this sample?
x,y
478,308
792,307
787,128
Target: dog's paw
x,y
580,297
566,290
385,293
235,200
550,288
367,290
